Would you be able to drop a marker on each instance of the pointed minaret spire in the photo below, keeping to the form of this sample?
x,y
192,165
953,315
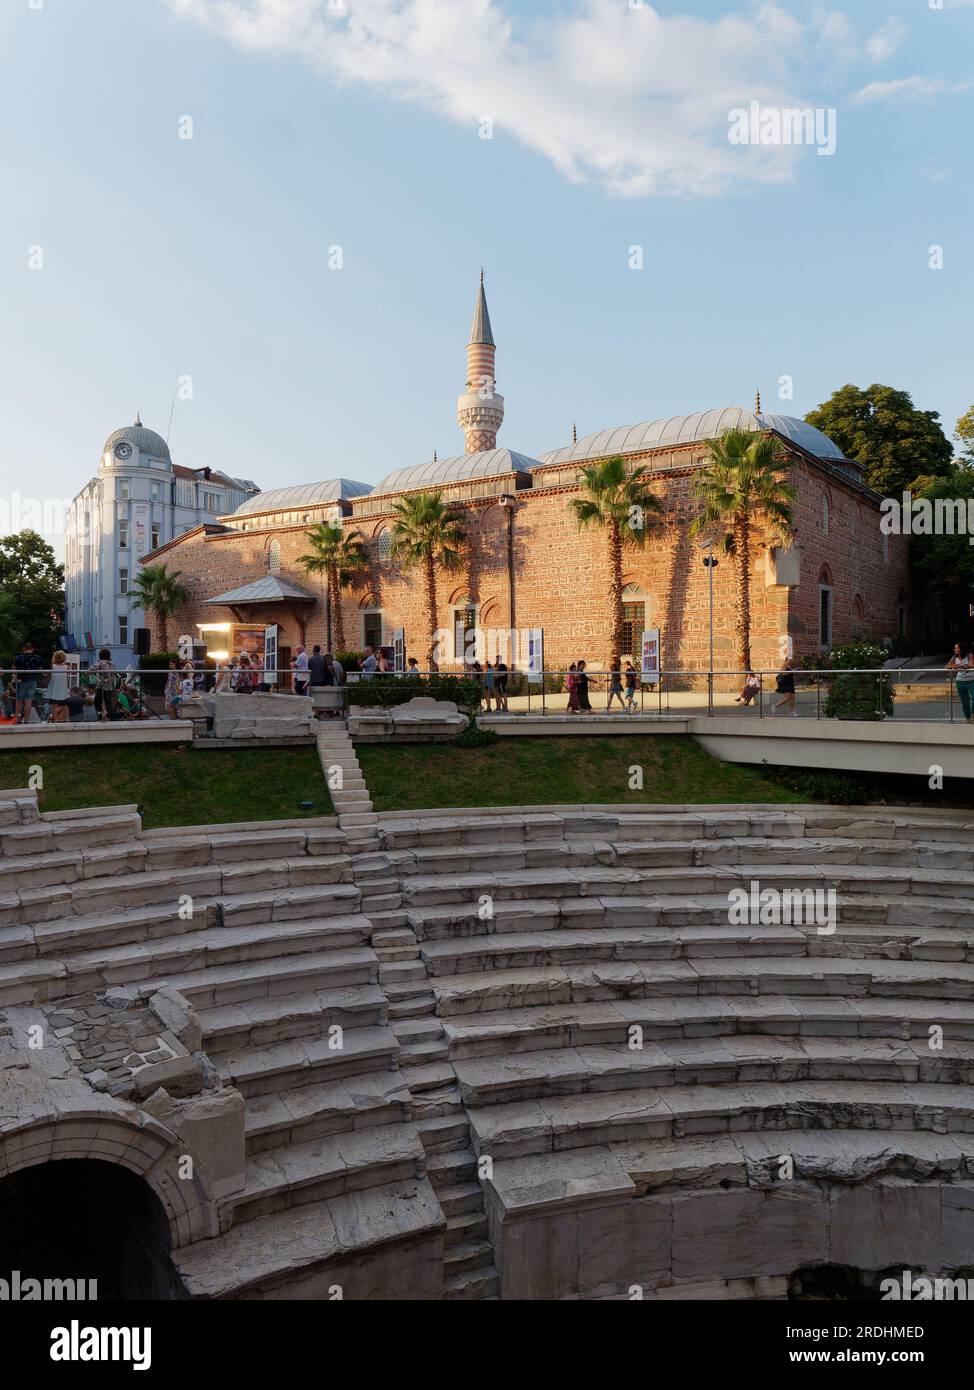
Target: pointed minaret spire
x,y
435,459
757,402
480,410
138,420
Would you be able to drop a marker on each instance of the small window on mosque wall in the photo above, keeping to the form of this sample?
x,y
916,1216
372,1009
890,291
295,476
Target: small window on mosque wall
x,y
825,514
274,557
383,543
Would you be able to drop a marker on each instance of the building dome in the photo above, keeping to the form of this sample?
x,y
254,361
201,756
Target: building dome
x,y
139,438
303,495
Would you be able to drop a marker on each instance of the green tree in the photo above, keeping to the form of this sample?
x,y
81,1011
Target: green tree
x,y
881,428
160,593
946,560
741,479
428,534
32,592
617,503
342,558
964,434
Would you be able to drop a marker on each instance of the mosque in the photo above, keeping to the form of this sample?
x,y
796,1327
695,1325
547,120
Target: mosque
x,y
529,568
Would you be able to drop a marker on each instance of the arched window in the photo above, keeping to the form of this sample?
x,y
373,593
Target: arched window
x,y
633,622
825,513
383,543
825,608
858,616
274,557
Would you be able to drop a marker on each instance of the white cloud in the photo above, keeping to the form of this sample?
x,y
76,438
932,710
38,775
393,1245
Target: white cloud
x,y
630,98
907,89
886,40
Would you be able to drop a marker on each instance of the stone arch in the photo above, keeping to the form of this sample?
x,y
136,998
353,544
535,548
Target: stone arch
x,y
134,1141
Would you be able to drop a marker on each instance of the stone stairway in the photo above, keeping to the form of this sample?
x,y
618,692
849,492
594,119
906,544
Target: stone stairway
x,y
616,1040
346,784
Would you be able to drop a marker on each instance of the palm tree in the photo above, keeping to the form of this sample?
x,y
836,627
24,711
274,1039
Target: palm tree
x,y
740,480
341,557
616,502
160,593
428,533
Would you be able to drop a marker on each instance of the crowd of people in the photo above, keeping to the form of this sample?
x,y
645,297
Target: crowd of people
x,y
108,693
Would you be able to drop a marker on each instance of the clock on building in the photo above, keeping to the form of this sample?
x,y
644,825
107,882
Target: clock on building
x,y
123,450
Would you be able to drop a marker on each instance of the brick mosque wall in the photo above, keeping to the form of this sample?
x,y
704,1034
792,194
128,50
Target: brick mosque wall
x,y
562,577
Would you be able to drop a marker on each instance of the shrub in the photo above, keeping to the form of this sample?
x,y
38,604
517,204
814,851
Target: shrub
x,y
475,737
382,691
855,696
350,661
836,788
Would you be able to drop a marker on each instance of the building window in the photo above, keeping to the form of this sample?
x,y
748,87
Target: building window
x,y
383,544
123,581
824,615
274,557
211,502
155,536
123,535
155,492
465,633
633,623
372,629
123,631
825,514
123,489
885,540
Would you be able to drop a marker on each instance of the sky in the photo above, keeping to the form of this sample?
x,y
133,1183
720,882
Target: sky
x,y
266,219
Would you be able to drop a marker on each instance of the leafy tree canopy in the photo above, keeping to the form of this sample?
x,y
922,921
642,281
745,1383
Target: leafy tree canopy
x,y
31,593
881,428
947,559
964,434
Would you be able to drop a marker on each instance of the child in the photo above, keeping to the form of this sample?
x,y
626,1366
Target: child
x,y
172,692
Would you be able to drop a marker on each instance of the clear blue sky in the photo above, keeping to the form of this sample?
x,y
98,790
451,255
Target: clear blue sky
x,y
209,257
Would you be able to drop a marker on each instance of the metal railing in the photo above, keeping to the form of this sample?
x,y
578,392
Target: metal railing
x,y
906,694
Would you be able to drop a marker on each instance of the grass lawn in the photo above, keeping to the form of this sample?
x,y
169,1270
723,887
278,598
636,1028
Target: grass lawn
x,y
176,784
553,771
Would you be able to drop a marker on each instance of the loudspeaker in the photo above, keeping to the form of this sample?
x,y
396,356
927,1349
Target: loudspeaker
x,y
141,641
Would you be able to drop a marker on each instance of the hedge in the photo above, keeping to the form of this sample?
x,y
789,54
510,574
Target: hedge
x,y
388,690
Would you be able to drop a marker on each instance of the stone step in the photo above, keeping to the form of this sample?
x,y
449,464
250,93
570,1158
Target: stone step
x,y
496,825
190,953
448,1167
522,1128
471,1284
59,833
511,950
258,1022
175,851
466,1228
418,1030
328,1166
275,976
281,882
414,1006
443,1132
568,984
461,1197
738,1059
61,869
424,890
281,1066
427,1076
303,1242
398,972
610,1022
421,1052
438,1102
363,1101
466,1256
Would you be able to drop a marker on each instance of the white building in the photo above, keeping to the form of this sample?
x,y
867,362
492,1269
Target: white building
x,y
138,501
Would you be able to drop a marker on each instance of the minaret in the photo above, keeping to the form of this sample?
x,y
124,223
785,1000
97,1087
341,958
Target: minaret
x,y
480,410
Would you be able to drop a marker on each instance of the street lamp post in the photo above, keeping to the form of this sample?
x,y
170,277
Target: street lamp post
x,y
711,563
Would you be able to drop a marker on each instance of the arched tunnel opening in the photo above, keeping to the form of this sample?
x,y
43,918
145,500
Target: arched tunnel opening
x,y
91,1220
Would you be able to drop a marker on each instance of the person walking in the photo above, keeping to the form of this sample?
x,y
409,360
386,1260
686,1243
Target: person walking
x,y
581,680
615,686
27,663
500,684
488,685
785,683
571,683
106,680
631,683
57,689
962,664
299,665
318,668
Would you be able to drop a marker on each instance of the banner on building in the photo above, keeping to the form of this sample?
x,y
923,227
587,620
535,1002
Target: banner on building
x,y
649,660
535,655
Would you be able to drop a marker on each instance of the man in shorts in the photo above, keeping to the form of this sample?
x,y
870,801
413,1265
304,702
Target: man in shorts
x,y
27,663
